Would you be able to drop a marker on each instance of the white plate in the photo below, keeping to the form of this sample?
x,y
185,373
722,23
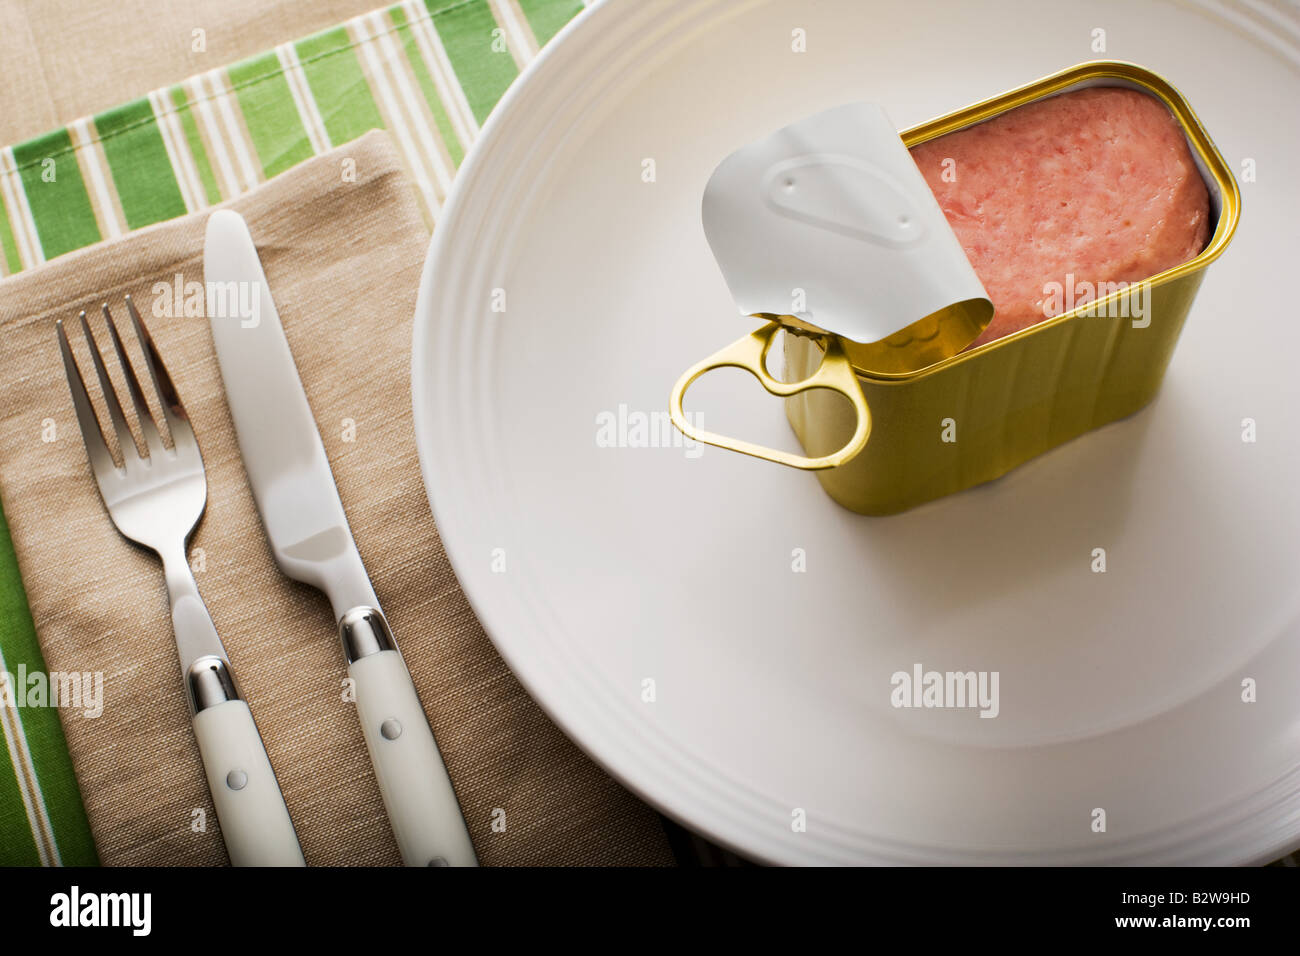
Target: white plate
x,y
596,569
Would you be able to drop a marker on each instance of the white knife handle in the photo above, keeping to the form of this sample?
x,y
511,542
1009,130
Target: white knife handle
x,y
254,820
418,795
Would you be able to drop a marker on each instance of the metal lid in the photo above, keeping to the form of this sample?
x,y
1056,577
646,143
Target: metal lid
x,y
827,226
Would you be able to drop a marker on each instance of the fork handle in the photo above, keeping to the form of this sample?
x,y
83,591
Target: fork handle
x,y
250,808
254,820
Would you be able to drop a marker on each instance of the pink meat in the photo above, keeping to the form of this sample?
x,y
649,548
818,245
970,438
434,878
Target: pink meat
x,y
1098,183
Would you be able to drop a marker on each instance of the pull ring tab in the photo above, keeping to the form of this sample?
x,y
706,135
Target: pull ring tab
x,y
750,353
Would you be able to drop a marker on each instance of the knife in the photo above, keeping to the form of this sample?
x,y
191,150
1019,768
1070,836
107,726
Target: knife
x,y
304,520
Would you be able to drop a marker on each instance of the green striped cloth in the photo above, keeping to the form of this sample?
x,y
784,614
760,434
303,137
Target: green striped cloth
x,y
429,71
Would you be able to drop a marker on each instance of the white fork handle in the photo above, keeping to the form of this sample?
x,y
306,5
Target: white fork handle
x,y
417,792
254,820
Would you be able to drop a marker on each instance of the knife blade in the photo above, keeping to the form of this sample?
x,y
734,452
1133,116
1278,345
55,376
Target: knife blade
x,y
311,541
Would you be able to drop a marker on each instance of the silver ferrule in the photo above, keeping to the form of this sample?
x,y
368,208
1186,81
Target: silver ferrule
x,y
209,682
364,631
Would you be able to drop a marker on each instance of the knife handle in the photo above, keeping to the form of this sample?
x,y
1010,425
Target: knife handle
x,y
418,795
250,808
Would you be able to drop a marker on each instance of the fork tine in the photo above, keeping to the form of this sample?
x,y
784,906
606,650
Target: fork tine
x,y
178,422
125,440
101,459
147,426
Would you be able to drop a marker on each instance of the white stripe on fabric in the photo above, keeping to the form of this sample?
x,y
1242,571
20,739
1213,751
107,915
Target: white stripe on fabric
x,y
412,155
89,160
523,47
21,220
38,818
303,100
444,79
187,177
226,106
414,103
215,140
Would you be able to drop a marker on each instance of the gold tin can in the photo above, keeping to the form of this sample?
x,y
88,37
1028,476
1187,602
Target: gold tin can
x,y
910,437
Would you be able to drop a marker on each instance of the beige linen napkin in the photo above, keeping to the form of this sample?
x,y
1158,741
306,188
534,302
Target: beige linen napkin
x,y
343,255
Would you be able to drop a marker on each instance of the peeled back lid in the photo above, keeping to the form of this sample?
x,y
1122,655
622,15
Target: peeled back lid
x,y
828,226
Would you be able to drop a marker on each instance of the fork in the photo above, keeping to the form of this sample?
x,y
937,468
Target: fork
x,y
156,500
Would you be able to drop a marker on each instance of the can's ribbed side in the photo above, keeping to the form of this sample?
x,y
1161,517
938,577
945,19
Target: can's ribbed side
x,y
973,421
